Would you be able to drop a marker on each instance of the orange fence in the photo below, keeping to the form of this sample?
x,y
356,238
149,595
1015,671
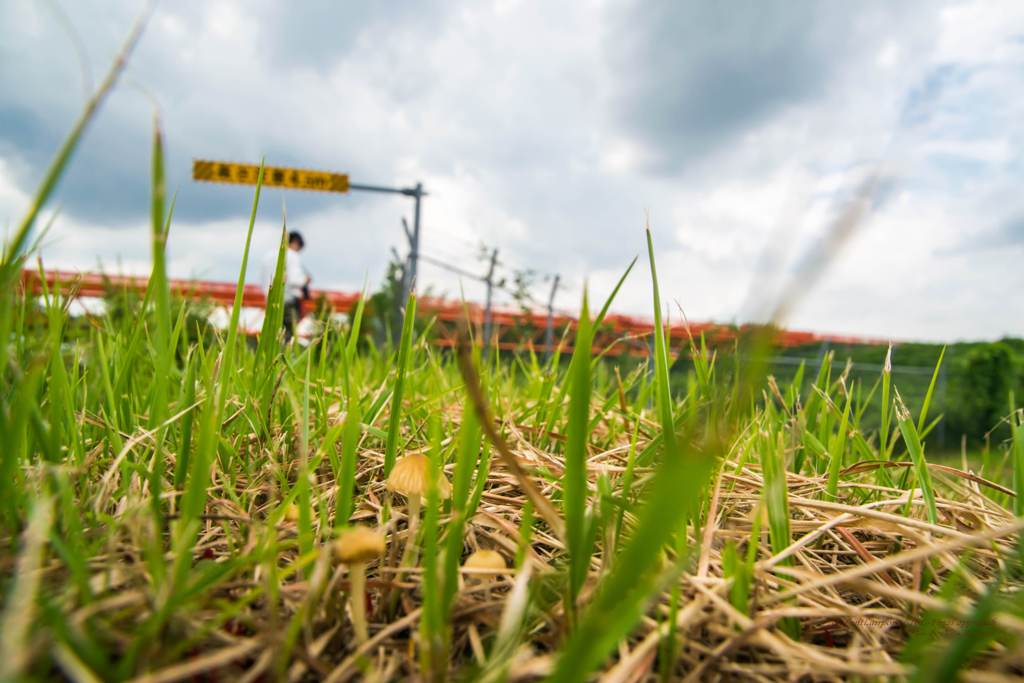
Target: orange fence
x,y
512,329
98,285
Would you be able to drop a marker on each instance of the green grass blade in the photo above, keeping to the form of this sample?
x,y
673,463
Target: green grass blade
x,y
188,398
158,283
357,321
607,304
228,360
776,497
883,434
1017,424
627,484
924,478
624,595
57,389
433,625
466,461
814,401
661,366
838,448
574,480
928,397
304,495
347,475
395,421
273,318
164,352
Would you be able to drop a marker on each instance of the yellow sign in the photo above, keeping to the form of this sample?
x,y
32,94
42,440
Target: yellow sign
x,y
273,176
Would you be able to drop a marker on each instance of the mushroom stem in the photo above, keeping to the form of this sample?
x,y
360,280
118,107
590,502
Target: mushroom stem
x,y
357,597
414,519
477,645
413,514
355,547
410,534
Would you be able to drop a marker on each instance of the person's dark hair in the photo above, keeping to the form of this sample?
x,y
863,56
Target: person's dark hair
x,y
294,236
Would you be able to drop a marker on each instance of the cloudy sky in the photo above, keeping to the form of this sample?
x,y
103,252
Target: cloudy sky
x,y
551,130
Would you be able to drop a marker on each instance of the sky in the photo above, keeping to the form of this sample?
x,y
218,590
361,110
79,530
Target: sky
x,y
743,132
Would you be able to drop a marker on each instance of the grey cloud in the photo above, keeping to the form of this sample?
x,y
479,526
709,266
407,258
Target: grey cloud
x,y
108,181
923,100
319,32
109,178
1009,234
691,76
23,134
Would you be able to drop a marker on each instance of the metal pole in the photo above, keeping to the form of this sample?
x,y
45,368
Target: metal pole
x,y
407,191
549,334
403,287
487,313
415,251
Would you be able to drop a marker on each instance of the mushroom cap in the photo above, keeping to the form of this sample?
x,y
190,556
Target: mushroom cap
x,y
485,559
358,544
409,477
292,513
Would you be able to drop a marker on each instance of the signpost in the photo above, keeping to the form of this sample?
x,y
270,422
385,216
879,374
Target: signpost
x,y
317,181
273,176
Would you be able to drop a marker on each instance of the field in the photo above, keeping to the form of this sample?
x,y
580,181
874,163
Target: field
x,y
174,508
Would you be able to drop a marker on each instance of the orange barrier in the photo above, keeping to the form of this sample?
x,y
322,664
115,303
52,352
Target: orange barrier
x,y
512,329
99,285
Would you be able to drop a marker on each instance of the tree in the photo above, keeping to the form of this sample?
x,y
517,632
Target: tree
x,y
990,374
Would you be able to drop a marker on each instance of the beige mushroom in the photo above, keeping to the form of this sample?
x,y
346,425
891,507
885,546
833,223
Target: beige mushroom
x,y
355,547
485,559
292,513
409,477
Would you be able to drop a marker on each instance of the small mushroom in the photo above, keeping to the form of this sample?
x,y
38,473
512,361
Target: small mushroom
x,y
292,513
409,477
485,559
355,547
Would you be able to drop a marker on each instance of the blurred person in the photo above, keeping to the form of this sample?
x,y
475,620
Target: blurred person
x,y
296,281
